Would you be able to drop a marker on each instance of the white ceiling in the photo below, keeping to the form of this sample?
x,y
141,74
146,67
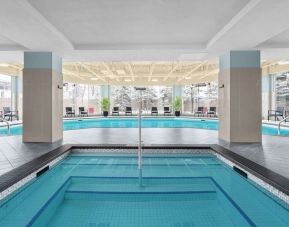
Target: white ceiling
x,y
5,41
132,30
94,24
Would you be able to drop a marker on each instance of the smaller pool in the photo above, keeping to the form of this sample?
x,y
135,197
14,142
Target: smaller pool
x,y
146,123
95,190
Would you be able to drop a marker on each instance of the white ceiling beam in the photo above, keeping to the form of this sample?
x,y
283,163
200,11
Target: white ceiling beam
x,y
244,11
91,71
68,72
177,64
113,76
131,71
152,67
191,71
24,24
257,22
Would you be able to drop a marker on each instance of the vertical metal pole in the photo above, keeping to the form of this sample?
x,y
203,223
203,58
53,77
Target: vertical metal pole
x,y
139,141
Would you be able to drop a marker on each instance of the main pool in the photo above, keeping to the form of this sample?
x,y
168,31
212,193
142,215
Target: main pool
x,y
101,190
146,123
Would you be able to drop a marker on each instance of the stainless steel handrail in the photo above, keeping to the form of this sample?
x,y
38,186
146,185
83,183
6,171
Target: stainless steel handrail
x,y
7,123
140,89
139,145
280,122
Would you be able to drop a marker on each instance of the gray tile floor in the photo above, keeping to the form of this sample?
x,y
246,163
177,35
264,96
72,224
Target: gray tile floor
x,y
273,153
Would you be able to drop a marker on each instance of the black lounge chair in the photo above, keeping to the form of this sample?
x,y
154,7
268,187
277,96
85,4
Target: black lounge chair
x,y
69,112
7,112
276,113
115,110
212,112
200,111
128,110
82,112
167,110
154,111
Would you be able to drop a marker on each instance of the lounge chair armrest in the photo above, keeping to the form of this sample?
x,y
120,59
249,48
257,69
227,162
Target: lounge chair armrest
x,y
272,111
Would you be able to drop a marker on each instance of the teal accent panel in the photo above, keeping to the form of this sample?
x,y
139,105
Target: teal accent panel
x,y
105,91
240,59
177,90
42,60
56,63
224,62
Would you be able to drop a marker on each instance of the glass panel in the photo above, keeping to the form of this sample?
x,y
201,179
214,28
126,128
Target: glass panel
x,y
82,95
153,96
282,90
200,95
5,91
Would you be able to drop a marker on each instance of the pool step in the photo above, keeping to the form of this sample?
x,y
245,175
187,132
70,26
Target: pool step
x,y
167,161
111,185
140,196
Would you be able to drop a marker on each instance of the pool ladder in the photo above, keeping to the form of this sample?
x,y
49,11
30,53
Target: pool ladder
x,y
7,123
279,125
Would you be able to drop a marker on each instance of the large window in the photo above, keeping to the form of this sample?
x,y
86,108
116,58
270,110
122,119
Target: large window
x,y
153,96
282,90
200,95
5,91
82,95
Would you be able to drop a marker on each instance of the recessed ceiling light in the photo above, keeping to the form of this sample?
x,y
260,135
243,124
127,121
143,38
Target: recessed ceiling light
x,y
120,72
154,80
127,80
187,77
94,78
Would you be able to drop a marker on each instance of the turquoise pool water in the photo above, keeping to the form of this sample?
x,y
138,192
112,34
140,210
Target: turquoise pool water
x,y
99,191
146,123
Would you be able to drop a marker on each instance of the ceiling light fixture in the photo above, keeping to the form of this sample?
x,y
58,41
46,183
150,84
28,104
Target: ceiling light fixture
x,y
94,78
154,80
4,65
127,80
283,62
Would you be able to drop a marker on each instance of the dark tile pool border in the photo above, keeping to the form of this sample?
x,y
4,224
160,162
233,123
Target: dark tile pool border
x,y
274,179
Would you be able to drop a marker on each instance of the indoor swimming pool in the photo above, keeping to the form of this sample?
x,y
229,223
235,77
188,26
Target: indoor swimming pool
x,y
178,190
146,123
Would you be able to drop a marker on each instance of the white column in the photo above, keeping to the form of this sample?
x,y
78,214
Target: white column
x,y
240,99
42,97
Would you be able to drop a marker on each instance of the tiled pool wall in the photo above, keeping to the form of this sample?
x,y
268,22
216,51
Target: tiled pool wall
x,y
119,151
146,150
17,186
265,186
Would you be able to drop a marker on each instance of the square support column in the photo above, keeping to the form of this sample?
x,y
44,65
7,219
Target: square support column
x,y
177,90
42,97
240,98
105,91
